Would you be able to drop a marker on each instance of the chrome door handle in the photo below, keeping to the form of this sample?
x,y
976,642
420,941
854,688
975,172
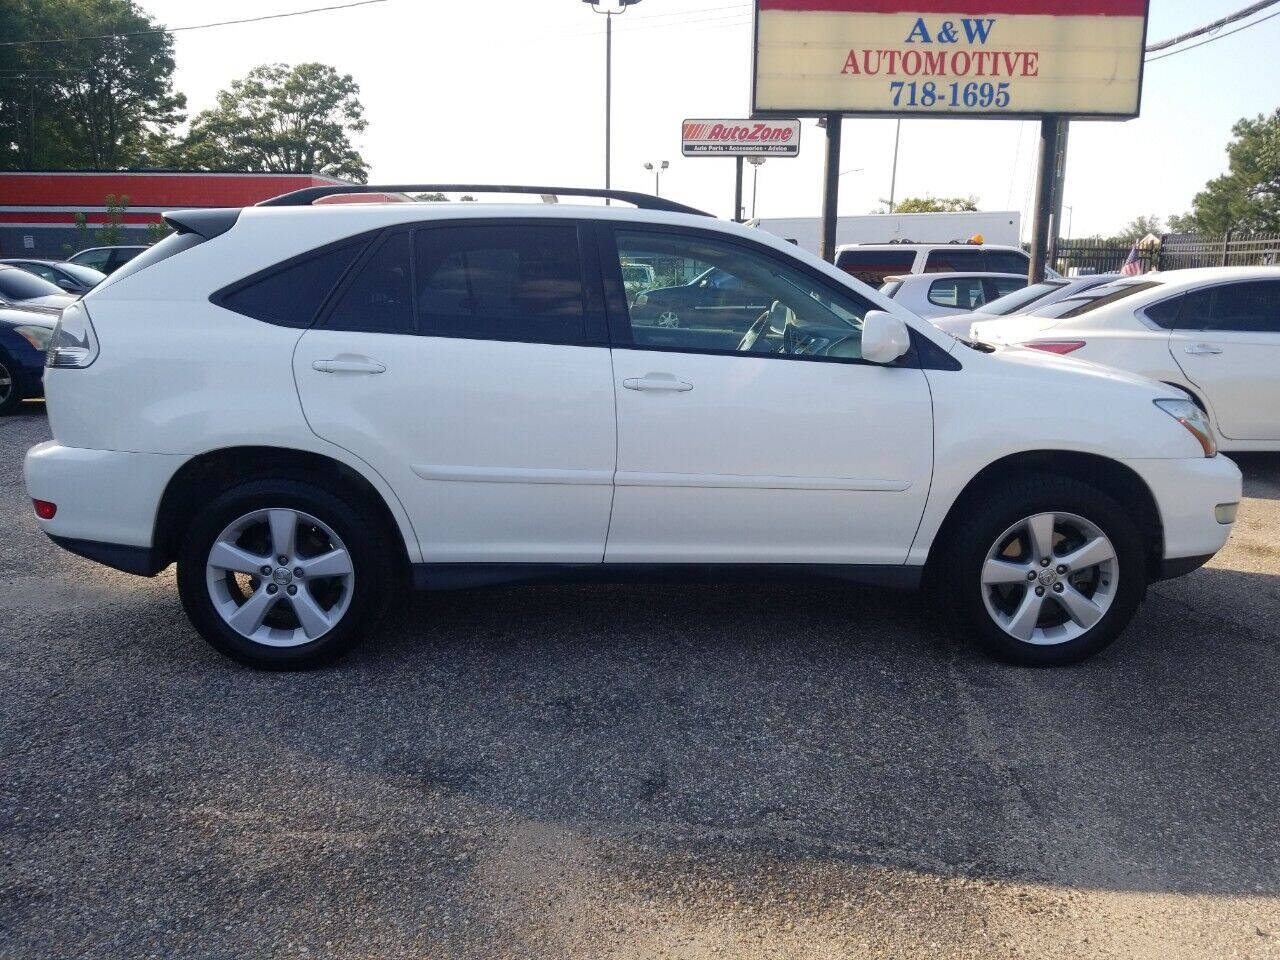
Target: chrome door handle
x,y
657,381
1201,349
352,365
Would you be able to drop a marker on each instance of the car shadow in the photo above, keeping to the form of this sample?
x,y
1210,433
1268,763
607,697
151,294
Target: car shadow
x,y
1261,474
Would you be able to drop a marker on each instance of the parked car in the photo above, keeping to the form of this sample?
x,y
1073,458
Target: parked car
x,y
341,400
1051,290
20,288
107,259
873,263
1212,332
24,334
67,277
934,295
714,305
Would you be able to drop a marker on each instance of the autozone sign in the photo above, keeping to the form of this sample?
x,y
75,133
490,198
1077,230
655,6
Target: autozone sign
x,y
1074,58
740,138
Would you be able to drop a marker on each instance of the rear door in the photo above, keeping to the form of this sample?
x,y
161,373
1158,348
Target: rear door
x,y
1227,342
782,446
466,362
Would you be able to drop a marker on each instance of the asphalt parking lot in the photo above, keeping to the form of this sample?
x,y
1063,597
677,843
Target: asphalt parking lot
x,y
636,772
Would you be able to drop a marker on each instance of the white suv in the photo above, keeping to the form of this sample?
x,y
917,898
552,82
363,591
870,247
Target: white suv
x,y
310,407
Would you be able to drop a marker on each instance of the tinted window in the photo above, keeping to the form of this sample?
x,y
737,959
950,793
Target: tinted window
x,y
1104,295
1007,261
961,293
1165,313
510,282
379,298
16,284
1006,285
872,266
93,258
772,309
290,295
1021,298
1246,307
954,259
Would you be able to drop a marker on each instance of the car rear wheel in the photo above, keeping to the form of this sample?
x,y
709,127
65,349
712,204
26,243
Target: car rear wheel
x,y
281,575
668,318
9,396
1047,571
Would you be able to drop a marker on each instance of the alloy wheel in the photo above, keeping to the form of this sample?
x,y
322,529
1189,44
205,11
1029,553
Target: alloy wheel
x,y
280,577
6,384
668,318
1049,578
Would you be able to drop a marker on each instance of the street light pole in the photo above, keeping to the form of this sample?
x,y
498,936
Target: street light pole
x,y
755,181
657,172
893,177
608,80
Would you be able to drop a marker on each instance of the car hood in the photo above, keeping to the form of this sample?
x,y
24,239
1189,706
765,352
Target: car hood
x,y
1012,329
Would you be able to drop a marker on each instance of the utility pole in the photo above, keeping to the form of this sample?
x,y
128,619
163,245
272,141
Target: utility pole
x,y
1059,177
1044,199
737,190
893,177
830,188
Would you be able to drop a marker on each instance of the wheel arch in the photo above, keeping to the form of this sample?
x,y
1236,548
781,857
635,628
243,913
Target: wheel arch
x,y
201,478
1111,477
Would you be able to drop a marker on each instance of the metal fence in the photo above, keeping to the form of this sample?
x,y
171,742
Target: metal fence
x,y
1176,251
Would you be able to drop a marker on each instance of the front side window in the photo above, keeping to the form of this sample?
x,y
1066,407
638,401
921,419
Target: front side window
x,y
93,258
768,308
1252,307
957,293
956,259
511,282
1007,261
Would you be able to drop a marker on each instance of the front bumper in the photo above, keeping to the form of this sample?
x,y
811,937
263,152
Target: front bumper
x,y
1186,494
106,498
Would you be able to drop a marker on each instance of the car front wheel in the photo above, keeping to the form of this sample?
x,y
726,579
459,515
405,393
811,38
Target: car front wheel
x,y
281,575
1047,571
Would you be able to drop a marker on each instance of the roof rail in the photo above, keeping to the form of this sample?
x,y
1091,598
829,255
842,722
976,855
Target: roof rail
x,y
644,201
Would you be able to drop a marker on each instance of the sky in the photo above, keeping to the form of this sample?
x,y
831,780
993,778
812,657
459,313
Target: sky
x,y
512,91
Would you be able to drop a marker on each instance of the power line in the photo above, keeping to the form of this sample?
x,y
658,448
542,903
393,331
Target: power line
x,y
1210,27
197,26
1213,38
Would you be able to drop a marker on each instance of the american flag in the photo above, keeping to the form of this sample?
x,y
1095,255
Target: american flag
x,y
1132,265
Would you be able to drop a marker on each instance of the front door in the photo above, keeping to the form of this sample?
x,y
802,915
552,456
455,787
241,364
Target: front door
x,y
1227,342
777,444
465,361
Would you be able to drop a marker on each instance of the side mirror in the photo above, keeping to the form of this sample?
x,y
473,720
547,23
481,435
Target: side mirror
x,y
884,337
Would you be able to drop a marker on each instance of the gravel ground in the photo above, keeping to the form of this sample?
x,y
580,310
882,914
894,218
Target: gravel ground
x,y
636,772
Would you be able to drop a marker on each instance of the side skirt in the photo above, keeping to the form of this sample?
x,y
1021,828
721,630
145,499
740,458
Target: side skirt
x,y
461,576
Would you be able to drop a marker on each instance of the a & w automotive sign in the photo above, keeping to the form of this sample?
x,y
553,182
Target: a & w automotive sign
x,y
741,138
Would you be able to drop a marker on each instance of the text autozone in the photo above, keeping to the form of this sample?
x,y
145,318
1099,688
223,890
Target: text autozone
x,y
753,133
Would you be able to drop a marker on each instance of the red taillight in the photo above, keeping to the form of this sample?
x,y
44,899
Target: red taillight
x,y
1055,346
44,509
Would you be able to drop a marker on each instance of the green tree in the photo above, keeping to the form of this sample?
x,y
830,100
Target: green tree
x,y
932,204
281,119
1247,196
1139,227
99,103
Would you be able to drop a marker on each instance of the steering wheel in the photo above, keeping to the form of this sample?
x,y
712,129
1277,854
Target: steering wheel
x,y
748,342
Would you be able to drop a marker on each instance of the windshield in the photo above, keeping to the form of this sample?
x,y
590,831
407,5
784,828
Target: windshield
x,y
82,273
1091,299
17,284
1013,302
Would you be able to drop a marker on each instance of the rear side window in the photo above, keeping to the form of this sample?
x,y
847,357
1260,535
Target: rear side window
x,y
872,266
379,298
1165,313
291,294
512,282
1007,261
961,293
955,259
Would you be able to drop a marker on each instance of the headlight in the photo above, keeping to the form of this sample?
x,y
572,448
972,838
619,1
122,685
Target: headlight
x,y
73,344
1194,419
38,337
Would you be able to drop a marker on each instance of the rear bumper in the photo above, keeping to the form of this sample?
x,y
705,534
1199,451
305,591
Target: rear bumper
x,y
143,561
1186,494
106,498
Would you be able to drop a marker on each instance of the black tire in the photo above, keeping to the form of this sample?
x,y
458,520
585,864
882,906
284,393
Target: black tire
x,y
360,530
10,397
957,570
